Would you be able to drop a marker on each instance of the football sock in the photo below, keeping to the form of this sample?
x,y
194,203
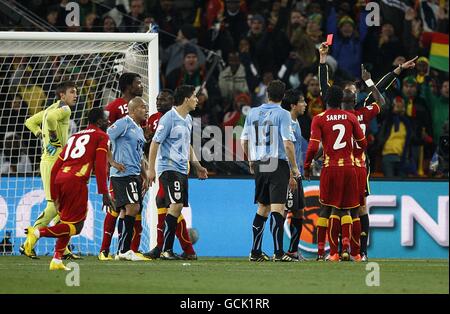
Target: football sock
x,y
321,235
120,227
60,246
346,229
127,234
356,234
334,224
296,231
109,225
137,231
169,232
183,236
258,230
276,227
162,212
364,232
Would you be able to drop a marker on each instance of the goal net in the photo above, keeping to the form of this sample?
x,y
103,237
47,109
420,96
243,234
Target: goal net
x,y
32,65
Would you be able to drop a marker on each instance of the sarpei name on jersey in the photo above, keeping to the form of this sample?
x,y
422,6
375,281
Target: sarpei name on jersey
x,y
336,117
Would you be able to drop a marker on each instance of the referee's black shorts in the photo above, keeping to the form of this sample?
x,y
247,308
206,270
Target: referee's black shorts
x,y
271,187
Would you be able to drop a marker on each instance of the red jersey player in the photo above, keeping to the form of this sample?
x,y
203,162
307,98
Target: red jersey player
x,y
164,102
336,129
364,115
69,177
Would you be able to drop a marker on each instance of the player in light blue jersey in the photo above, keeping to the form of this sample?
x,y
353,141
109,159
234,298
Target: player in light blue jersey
x,y
294,102
171,145
268,139
127,140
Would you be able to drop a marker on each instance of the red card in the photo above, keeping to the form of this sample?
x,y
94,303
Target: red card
x,y
329,39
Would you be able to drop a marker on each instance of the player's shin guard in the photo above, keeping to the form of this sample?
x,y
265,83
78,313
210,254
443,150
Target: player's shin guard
x,y
137,231
127,233
296,231
109,225
162,212
276,227
258,230
346,229
46,216
356,233
169,232
60,246
364,232
183,236
321,235
334,226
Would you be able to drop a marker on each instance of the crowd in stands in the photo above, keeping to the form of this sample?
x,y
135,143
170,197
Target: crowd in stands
x,y
262,40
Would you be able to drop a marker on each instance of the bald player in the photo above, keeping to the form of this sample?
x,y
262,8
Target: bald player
x,y
127,140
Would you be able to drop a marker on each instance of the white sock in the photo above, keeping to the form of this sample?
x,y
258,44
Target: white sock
x,y
37,233
57,261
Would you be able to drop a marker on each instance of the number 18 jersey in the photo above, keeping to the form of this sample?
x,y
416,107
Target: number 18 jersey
x,y
336,129
82,151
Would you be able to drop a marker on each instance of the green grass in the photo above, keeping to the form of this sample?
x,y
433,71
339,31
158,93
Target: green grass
x,y
224,275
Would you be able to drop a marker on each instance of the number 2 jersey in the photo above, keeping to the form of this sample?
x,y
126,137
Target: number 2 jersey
x,y
336,129
84,151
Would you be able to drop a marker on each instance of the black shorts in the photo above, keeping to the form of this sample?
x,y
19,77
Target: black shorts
x,y
271,187
296,199
127,190
173,189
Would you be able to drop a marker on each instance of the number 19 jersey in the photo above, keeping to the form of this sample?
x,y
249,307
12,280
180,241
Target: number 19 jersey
x,y
265,129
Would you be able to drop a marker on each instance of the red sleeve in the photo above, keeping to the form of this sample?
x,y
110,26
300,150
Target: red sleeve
x,y
373,110
314,141
101,161
358,134
59,162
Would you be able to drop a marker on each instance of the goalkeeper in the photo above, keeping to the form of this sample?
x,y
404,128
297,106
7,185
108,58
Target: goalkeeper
x,y
52,126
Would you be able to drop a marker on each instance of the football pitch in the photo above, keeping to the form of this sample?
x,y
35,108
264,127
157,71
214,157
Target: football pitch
x,y
225,276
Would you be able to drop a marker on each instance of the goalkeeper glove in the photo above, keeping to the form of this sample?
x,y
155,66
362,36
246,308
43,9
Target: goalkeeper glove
x,y
53,146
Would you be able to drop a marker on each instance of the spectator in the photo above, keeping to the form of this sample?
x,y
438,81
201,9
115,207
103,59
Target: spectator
x,y
260,91
261,45
14,159
169,21
438,106
173,56
235,20
90,23
394,139
109,25
232,79
347,45
251,73
133,22
190,73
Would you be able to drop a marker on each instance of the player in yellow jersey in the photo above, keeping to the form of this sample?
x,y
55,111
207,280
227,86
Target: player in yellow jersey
x,y
52,126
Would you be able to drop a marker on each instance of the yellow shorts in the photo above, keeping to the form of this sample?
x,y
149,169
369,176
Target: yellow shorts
x,y
46,166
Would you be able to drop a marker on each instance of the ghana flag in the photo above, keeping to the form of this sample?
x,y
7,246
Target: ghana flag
x,y
439,51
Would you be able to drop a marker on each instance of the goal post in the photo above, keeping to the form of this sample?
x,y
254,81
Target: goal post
x,y
32,64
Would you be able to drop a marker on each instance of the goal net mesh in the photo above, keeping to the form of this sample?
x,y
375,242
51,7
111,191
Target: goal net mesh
x,y
29,74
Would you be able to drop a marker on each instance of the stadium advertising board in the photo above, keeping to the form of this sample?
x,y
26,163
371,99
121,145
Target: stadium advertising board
x,y
408,219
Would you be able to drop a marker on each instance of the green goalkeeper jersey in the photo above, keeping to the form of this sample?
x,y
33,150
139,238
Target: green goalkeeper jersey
x,y
54,118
